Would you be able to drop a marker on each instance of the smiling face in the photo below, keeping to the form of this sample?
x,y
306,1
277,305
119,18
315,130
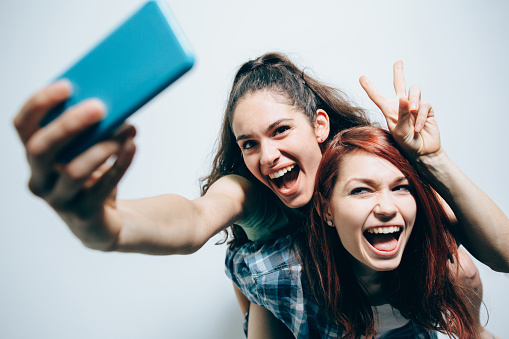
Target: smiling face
x,y
279,145
373,210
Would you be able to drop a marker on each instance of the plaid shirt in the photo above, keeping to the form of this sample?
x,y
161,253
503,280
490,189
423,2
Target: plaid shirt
x,y
269,274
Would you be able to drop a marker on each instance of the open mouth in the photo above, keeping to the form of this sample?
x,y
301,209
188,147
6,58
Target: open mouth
x,y
383,239
286,177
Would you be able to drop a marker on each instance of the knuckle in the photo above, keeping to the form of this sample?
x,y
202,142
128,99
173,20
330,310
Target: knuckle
x,y
422,117
415,88
69,123
36,189
60,205
38,101
18,122
33,149
77,118
75,173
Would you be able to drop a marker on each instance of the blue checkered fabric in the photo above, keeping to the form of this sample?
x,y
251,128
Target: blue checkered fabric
x,y
270,275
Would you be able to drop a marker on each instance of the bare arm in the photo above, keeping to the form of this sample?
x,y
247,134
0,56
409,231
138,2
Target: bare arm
x,y
264,325
242,300
171,224
261,322
483,227
83,192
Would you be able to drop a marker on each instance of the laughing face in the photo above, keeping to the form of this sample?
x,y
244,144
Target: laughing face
x,y
373,210
279,145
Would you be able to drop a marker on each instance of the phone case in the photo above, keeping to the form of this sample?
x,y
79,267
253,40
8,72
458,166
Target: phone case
x,y
133,64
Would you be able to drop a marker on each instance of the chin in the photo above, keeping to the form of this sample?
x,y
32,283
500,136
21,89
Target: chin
x,y
298,202
385,265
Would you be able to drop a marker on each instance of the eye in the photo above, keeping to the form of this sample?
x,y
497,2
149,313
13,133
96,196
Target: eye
x,y
359,190
248,144
402,189
281,129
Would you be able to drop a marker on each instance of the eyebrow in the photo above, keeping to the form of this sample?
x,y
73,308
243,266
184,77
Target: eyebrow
x,y
372,182
267,130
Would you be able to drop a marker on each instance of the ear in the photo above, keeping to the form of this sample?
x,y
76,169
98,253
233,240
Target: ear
x,y
322,125
327,211
327,217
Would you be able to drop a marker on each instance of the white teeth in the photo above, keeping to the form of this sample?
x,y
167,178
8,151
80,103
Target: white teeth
x,y
384,230
281,172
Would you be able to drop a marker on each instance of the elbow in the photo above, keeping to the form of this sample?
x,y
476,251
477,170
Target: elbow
x,y
501,266
192,246
497,262
182,243
193,238
189,249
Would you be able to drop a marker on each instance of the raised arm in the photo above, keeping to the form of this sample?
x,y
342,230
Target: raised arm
x,y
483,228
83,192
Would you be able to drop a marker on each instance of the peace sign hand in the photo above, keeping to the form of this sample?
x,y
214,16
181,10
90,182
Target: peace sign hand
x,y
411,122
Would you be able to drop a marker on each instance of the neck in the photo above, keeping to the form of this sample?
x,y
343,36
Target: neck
x,y
371,281
306,209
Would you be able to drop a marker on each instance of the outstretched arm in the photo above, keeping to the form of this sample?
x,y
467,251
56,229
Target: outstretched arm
x,y
483,227
171,224
83,192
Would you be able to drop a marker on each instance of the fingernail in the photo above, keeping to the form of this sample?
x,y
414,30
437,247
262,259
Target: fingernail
x,y
418,127
61,88
92,109
413,106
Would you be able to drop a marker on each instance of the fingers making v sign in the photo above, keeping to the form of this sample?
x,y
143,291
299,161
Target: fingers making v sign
x,y
410,120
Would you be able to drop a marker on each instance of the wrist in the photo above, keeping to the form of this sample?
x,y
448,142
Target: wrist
x,y
437,167
99,231
434,161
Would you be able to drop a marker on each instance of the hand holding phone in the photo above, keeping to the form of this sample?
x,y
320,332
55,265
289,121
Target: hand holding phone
x,y
139,59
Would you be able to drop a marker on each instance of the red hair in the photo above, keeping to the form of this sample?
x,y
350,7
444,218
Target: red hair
x,y
422,287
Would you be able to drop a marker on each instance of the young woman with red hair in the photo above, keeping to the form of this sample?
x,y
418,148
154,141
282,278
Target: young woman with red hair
x,y
378,247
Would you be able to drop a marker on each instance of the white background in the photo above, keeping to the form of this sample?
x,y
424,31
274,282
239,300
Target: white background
x,y
53,287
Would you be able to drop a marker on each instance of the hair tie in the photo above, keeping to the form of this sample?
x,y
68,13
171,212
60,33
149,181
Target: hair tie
x,y
256,64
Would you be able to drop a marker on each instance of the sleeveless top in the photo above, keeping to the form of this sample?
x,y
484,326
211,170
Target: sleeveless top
x,y
270,217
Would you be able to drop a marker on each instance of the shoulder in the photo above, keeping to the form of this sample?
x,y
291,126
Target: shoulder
x,y
225,203
230,192
267,216
231,183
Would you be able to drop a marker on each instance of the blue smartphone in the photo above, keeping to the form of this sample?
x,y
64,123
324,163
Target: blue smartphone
x,y
139,59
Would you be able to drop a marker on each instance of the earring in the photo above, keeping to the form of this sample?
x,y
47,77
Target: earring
x,y
329,222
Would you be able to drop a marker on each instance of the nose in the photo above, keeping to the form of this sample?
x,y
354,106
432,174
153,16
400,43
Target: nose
x,y
269,154
385,209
